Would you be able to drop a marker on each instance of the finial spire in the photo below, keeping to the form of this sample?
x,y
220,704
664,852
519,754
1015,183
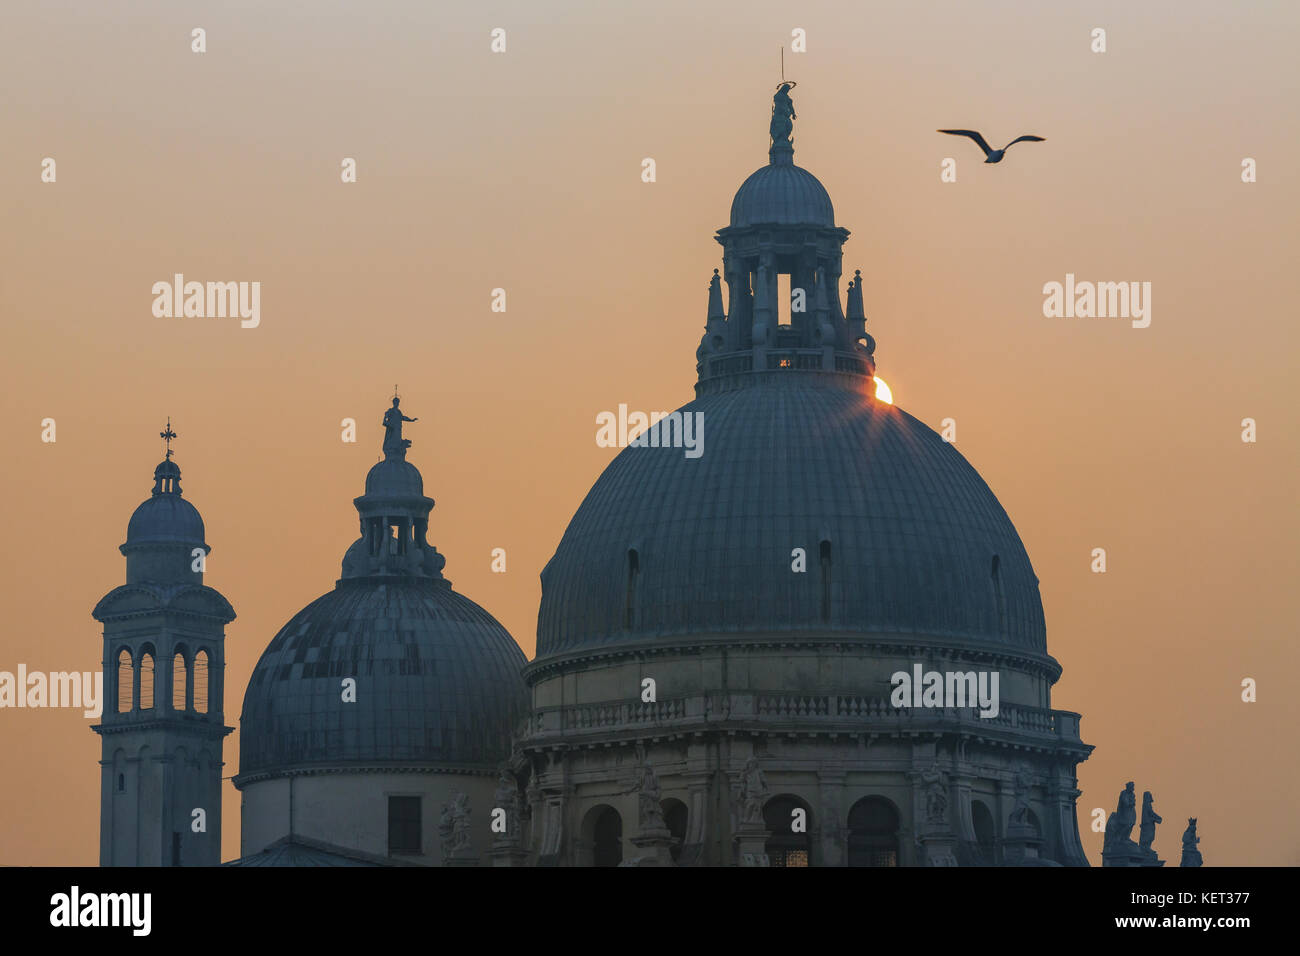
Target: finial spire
x,y
167,435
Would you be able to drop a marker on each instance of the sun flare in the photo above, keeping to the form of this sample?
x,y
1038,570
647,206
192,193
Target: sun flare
x,y
883,392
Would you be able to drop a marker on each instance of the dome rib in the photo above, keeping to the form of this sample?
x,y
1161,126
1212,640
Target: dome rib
x,y
438,682
782,194
913,529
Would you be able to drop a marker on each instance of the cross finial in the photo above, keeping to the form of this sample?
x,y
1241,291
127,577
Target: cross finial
x,y
167,436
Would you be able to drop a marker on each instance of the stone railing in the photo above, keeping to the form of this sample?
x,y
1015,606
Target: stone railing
x,y
840,711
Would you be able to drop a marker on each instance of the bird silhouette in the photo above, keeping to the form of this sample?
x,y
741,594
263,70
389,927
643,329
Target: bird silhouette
x,y
993,155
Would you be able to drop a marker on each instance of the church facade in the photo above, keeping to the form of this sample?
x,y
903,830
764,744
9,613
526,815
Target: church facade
x,y
720,637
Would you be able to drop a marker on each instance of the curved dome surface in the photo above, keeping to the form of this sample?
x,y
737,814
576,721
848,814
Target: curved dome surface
x,y
784,194
437,681
787,463
394,478
165,518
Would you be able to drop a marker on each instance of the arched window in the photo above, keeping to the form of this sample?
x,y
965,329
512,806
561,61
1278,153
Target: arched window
x,y
121,783
985,833
873,833
125,681
791,841
675,814
146,680
607,838
998,595
201,682
180,675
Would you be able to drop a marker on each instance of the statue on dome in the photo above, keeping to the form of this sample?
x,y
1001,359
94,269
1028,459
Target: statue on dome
x,y
936,794
753,792
1191,855
782,114
1020,811
1126,812
647,791
1147,833
507,799
394,444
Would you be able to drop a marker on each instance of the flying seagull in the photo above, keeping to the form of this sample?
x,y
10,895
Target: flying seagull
x,y
994,155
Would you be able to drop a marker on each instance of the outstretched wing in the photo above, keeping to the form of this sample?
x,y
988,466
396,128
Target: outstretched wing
x,y
972,134
1023,139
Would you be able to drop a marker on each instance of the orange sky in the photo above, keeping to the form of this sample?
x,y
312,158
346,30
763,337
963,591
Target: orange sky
x,y
522,171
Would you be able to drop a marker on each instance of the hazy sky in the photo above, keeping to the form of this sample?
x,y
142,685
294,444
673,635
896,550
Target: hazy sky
x,y
522,171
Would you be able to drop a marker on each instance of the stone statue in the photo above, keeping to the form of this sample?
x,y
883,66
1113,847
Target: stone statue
x,y
1147,834
507,799
1191,855
782,114
648,793
394,443
445,819
1020,812
453,825
1126,813
753,792
936,794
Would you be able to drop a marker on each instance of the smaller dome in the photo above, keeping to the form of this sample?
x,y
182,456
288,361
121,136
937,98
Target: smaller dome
x,y
784,194
394,478
165,518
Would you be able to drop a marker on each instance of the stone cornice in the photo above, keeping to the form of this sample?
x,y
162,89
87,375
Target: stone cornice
x,y
952,647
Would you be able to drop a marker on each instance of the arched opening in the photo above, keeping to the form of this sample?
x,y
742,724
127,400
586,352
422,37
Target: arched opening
x,y
981,818
125,681
998,595
201,682
790,821
606,836
873,833
633,572
675,815
119,771
180,681
1032,819
146,680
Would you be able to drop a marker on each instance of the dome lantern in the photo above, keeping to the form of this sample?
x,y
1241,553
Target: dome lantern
x,y
782,224
394,515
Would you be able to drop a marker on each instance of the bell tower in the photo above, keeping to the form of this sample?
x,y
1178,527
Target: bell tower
x,y
164,660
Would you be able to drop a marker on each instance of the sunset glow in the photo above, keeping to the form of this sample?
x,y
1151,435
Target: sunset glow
x,y
883,392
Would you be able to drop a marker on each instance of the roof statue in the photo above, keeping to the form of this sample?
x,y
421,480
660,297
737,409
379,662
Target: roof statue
x,y
1147,833
394,444
1191,855
782,114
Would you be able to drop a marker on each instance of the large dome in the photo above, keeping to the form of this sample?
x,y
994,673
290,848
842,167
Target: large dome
x,y
784,194
437,681
918,544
